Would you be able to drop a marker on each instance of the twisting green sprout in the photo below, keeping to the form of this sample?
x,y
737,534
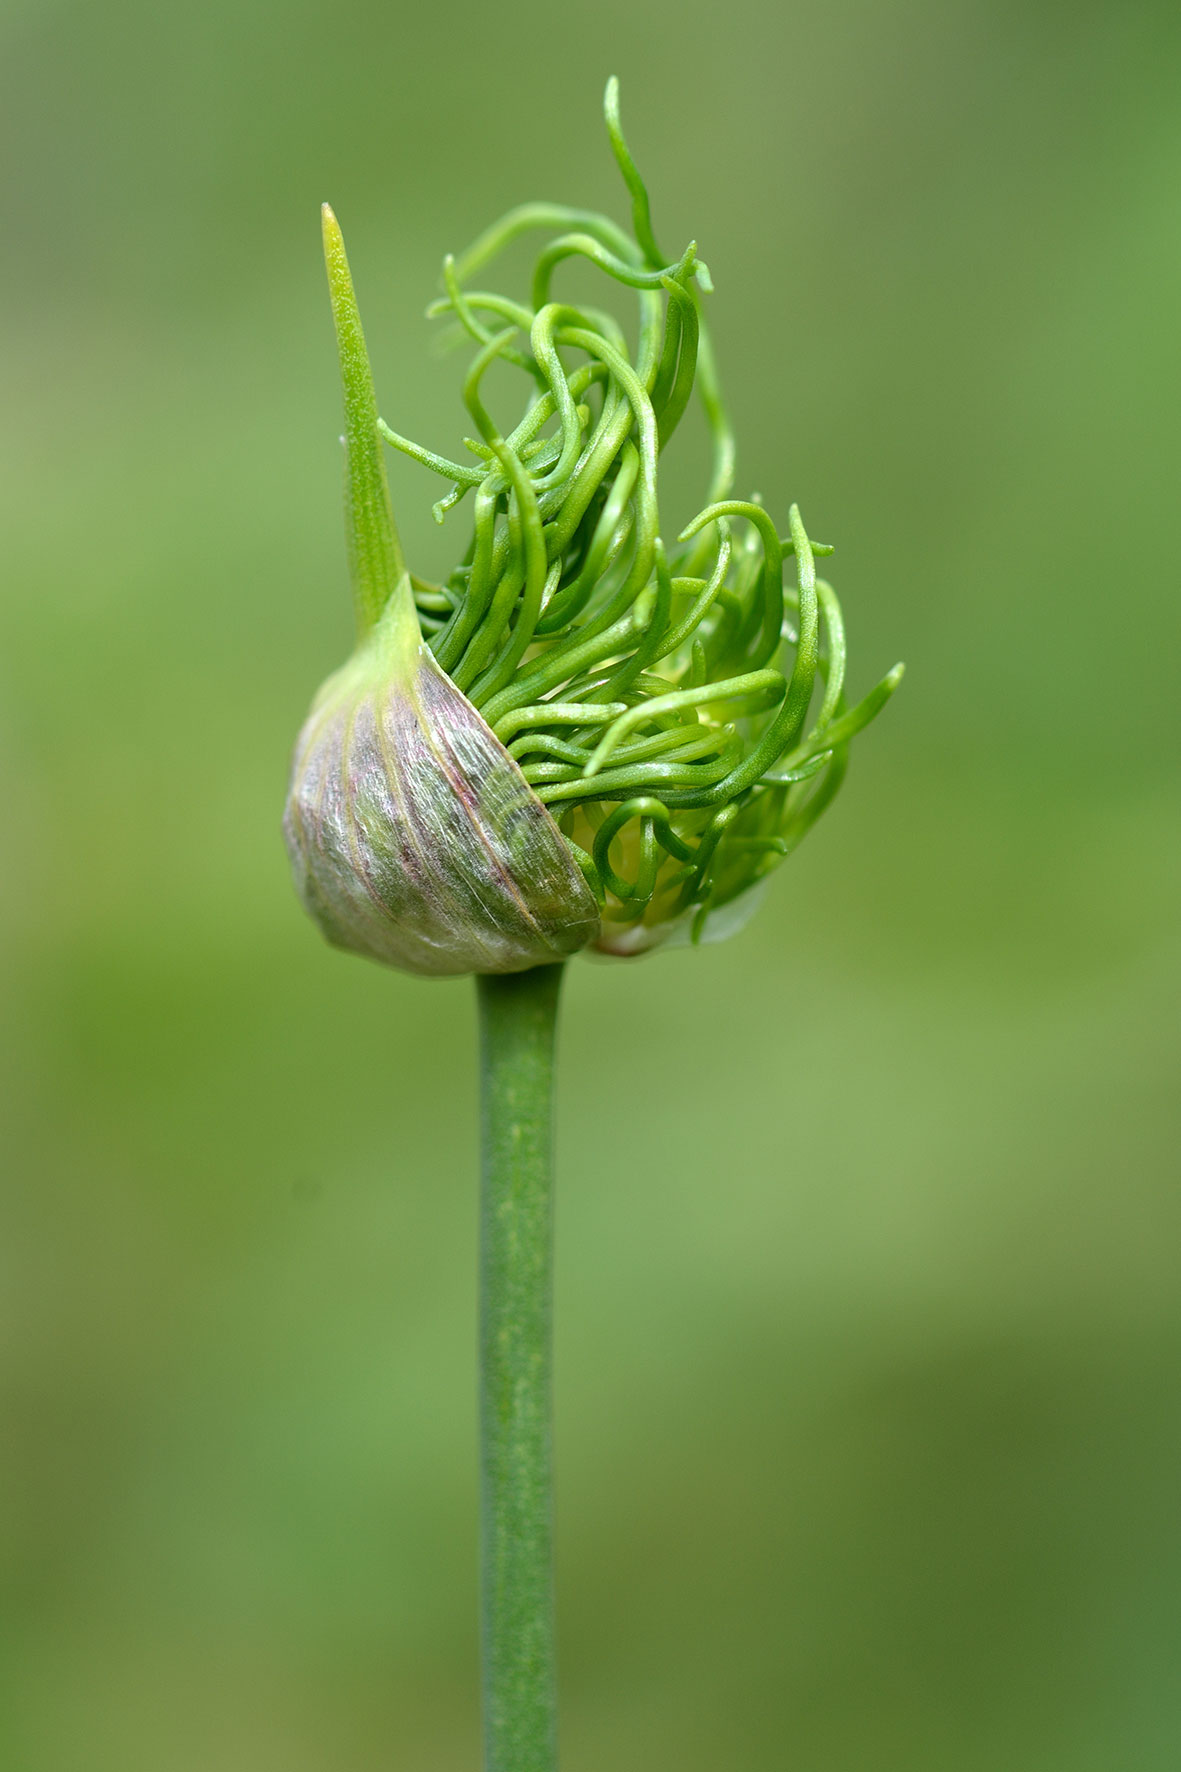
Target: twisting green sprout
x,y
589,735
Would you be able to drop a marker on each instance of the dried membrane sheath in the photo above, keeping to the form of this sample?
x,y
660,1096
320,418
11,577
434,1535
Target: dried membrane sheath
x,y
414,837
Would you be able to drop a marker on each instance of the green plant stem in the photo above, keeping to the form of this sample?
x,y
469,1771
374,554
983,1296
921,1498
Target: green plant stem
x,y
518,1015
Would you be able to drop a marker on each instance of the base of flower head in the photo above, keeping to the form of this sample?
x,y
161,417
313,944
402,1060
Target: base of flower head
x,y
700,926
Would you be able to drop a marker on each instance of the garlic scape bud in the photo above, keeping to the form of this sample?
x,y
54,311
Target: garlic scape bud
x,y
584,737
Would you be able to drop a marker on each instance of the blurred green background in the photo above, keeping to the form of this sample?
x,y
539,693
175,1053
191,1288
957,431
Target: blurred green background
x,y
869,1331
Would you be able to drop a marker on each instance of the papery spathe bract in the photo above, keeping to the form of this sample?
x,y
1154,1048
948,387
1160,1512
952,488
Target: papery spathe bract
x,y
413,836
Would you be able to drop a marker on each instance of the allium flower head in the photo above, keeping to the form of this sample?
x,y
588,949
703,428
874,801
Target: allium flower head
x,y
589,735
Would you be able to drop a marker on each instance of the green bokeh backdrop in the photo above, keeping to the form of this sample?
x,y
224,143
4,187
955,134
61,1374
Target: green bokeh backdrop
x,y
869,1329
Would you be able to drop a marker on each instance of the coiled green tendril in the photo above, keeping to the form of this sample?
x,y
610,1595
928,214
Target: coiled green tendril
x,y
655,696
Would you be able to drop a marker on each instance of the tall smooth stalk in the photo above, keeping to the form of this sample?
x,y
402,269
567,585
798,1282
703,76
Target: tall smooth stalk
x,y
518,1015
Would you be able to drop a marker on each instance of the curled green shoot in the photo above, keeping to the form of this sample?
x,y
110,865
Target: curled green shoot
x,y
657,697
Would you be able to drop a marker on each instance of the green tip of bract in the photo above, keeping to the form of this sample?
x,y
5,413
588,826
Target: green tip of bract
x,y
581,737
376,566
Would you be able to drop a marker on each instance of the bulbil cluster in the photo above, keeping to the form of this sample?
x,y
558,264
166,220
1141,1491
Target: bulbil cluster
x,y
588,736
